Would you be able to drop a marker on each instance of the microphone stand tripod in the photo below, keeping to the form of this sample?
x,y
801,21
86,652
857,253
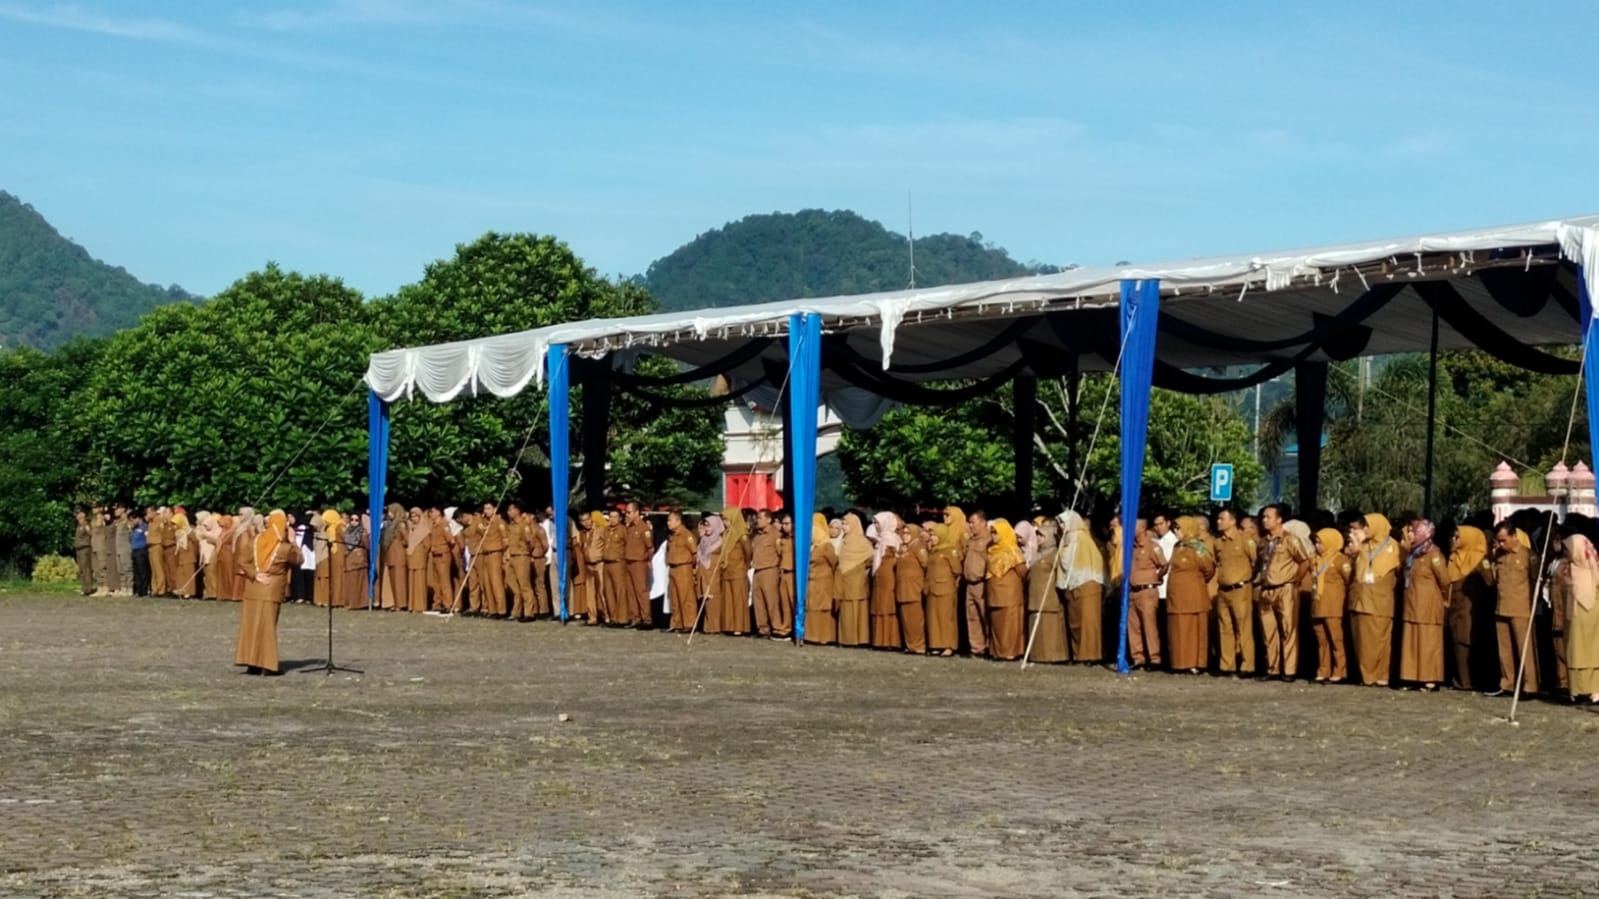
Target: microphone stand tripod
x,y
328,668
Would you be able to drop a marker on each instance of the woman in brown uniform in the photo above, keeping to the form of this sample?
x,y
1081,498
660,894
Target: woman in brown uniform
x,y
854,589
1006,593
266,569
1188,598
1329,578
943,591
1371,600
708,572
884,604
910,579
821,622
396,583
1421,653
1046,619
186,557
1469,596
735,573
356,547
680,550
1082,582
416,561
1582,618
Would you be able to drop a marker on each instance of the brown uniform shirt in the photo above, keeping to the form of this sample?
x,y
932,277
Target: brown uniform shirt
x,y
538,542
518,542
1235,558
1511,573
615,544
1147,561
1282,569
638,542
492,533
1330,581
786,551
765,549
975,567
680,547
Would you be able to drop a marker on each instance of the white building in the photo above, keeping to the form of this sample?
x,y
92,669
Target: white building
x,y
752,463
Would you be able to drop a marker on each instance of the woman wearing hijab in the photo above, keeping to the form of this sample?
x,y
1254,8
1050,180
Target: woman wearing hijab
x,y
854,583
1046,618
1582,618
595,538
416,562
1421,646
356,546
1082,581
394,588
1469,597
1371,601
1329,580
266,568
1188,598
943,592
185,556
910,579
246,527
226,559
330,559
207,532
734,566
835,534
708,572
885,600
1007,594
821,606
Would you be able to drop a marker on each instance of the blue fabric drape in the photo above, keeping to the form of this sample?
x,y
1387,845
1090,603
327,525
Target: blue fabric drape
x,y
1140,315
377,472
804,395
1590,365
558,379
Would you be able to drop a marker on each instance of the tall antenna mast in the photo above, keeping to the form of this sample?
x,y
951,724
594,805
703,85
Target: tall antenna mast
x,y
910,235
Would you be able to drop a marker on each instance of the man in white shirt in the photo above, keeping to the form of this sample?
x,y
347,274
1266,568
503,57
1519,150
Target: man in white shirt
x,y
551,570
1166,538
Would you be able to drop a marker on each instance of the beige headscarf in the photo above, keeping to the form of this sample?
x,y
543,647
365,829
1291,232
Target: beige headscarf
x,y
1584,570
416,532
1081,562
1472,548
737,530
857,550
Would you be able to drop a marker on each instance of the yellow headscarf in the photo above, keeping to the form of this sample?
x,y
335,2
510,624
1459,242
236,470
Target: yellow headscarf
x,y
857,550
1081,562
1331,555
737,530
334,530
1004,553
1382,562
598,521
946,546
1471,549
819,533
958,526
266,543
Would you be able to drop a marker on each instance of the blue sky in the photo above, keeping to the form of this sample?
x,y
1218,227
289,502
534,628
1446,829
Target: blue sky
x,y
193,142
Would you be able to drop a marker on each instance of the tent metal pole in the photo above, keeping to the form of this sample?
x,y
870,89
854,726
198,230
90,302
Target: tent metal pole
x,y
1432,416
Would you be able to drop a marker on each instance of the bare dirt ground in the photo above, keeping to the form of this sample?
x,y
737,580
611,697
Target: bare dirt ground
x,y
134,761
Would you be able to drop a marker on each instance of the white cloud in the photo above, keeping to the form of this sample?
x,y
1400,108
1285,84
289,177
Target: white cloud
x,y
76,18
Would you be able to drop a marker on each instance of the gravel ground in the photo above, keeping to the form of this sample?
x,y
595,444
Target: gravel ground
x,y
134,761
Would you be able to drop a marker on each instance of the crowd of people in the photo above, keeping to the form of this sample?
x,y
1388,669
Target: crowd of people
x,y
1233,595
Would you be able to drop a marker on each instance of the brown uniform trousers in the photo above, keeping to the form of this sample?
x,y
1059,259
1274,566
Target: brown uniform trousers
x,y
1143,612
974,571
766,558
1235,568
1279,605
538,555
1510,573
438,576
158,559
680,580
616,603
638,548
784,625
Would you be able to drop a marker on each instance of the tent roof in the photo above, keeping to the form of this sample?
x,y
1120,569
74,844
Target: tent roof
x,y
1517,281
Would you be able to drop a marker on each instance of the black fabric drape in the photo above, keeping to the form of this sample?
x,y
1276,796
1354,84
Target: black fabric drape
x,y
749,352
1322,327
1443,298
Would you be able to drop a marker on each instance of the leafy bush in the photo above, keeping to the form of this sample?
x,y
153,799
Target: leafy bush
x,y
55,570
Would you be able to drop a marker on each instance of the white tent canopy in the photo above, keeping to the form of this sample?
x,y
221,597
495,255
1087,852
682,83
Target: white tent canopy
x,y
1257,298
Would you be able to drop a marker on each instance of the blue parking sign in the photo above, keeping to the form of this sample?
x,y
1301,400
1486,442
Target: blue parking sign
x,y
1221,483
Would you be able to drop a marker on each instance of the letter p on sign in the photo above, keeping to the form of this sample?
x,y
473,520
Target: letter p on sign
x,y
1221,483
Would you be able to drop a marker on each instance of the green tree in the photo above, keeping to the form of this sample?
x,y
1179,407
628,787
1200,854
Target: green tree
x,y
254,396
41,449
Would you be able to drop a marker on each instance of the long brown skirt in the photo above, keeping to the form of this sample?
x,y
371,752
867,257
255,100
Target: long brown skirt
x,y
1006,638
321,584
258,626
209,573
885,630
356,588
854,622
1332,660
1084,629
1374,646
1185,641
821,624
913,627
1421,653
943,623
1049,644
735,594
416,593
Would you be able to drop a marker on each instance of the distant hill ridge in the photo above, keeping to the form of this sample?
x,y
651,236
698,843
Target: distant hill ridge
x,y
52,290
814,253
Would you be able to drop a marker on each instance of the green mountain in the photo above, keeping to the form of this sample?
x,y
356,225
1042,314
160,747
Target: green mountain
x,y
52,290
814,253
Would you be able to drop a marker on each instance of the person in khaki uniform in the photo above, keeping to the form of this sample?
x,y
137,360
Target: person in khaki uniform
x,y
538,541
1007,594
638,551
595,539
618,602
1509,571
1287,561
155,535
1421,650
1468,591
169,555
854,590
439,552
1188,599
417,531
821,621
942,592
785,583
1371,600
681,548
1236,553
766,559
975,573
734,567
910,580
1329,585
708,573
83,551
1143,612
1082,579
490,551
519,560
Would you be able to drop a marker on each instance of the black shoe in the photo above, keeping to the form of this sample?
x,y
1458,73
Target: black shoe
x,y
1494,693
